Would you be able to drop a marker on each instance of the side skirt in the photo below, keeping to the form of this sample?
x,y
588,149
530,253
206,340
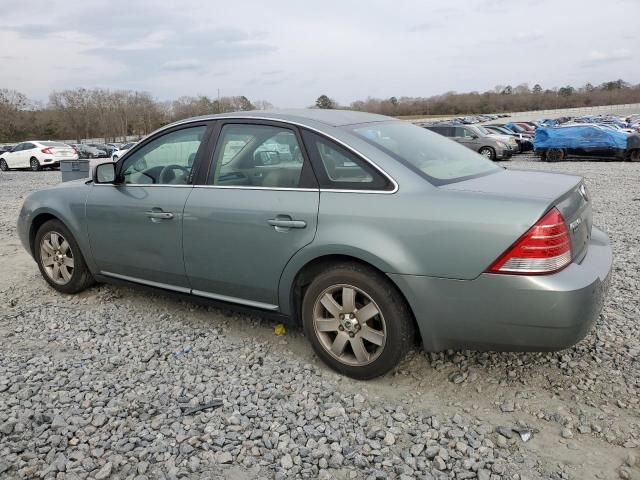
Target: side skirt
x,y
185,295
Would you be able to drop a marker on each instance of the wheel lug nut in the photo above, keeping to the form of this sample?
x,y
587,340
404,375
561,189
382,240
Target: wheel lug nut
x,y
351,334
341,328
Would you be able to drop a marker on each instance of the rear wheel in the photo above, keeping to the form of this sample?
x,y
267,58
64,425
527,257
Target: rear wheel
x,y
35,164
488,152
357,321
634,156
59,258
3,165
555,155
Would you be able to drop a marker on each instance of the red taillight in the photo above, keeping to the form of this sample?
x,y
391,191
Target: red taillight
x,y
544,248
46,150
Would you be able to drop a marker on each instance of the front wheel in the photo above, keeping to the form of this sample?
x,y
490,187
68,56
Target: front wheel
x,y
357,321
634,156
59,258
35,164
488,152
3,165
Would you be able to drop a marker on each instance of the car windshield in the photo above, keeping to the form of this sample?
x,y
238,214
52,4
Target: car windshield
x,y
433,156
484,130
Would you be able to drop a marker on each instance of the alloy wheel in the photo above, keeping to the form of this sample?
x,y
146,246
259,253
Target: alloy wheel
x,y
35,165
486,152
349,325
56,257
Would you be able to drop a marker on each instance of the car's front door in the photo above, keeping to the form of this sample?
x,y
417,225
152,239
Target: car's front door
x,y
135,225
465,137
255,208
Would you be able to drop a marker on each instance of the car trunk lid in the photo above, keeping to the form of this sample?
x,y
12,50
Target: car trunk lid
x,y
567,193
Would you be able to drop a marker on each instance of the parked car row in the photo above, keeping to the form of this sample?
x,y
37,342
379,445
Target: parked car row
x,y
496,143
471,120
606,137
38,154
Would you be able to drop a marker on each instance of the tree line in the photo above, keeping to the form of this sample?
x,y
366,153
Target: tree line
x,y
102,113
503,98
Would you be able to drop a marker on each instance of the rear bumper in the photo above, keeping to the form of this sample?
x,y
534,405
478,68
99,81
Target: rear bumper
x,y
512,312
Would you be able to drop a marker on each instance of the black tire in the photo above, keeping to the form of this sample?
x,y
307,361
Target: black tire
x,y
488,152
634,156
81,277
554,155
395,315
35,164
3,165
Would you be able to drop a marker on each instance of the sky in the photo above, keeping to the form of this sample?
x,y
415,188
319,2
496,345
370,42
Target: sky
x,y
289,52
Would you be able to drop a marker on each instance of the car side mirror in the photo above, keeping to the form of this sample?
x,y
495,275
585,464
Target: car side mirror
x,y
474,136
105,173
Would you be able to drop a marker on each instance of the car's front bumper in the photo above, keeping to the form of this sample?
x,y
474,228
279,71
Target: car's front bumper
x,y
512,312
503,154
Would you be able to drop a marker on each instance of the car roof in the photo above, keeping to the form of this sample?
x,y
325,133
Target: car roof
x,y
303,116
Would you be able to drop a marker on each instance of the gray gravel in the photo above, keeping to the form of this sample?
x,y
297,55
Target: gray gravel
x,y
99,385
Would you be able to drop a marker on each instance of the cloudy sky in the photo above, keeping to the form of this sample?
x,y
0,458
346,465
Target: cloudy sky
x,y
290,52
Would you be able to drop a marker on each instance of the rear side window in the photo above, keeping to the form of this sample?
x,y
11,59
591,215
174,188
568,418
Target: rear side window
x,y
339,168
438,159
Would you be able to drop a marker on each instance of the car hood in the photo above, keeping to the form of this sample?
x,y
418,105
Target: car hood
x,y
502,138
519,183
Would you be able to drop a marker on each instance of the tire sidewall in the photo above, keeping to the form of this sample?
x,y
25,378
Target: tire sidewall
x,y
80,271
492,153
4,166
397,318
31,164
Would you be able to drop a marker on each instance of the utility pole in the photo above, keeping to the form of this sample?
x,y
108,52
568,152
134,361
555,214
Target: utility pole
x,y
219,106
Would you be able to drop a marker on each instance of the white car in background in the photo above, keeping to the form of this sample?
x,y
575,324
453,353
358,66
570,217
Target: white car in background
x,y
121,151
36,154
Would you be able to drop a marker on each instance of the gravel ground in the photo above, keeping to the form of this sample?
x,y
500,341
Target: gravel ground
x,y
99,385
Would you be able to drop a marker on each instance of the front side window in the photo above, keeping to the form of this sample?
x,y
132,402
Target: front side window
x,y
436,158
257,156
167,160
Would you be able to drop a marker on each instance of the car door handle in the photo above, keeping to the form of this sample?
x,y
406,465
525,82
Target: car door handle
x,y
159,215
283,223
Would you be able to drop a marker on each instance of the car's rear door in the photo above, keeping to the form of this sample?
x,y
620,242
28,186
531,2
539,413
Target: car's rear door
x,y
13,157
29,151
250,213
135,226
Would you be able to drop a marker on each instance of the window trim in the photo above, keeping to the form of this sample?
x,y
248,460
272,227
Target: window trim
x,y
307,175
200,180
333,185
202,149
